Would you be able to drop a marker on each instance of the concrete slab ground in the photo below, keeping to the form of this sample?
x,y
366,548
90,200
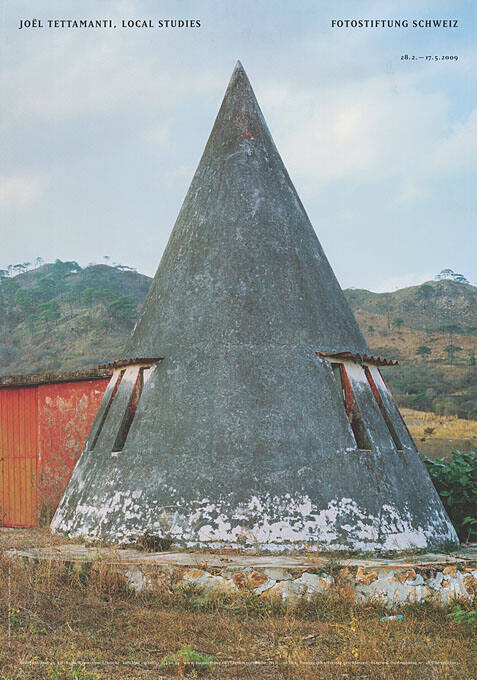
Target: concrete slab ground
x,y
435,577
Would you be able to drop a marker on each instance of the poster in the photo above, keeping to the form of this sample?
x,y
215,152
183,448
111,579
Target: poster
x,y
105,110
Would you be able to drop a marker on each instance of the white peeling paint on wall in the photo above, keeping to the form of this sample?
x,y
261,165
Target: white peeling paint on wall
x,y
271,523
300,524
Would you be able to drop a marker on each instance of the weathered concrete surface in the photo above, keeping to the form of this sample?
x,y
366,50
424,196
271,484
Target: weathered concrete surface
x,y
435,578
241,437
274,566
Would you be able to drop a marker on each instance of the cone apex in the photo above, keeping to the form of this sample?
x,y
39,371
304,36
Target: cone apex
x,y
239,78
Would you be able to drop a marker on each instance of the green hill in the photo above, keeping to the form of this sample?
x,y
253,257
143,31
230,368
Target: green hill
x,y
434,305
431,330
61,316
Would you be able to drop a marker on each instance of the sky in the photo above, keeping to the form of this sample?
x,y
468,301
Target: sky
x,y
101,130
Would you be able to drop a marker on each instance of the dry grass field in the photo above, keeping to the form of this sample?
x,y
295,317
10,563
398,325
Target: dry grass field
x,y
59,622
437,436
405,341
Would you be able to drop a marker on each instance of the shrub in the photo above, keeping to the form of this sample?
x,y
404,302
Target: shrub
x,y
460,615
455,479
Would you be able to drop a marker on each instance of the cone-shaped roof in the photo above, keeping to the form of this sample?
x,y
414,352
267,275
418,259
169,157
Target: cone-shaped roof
x,y
243,434
243,263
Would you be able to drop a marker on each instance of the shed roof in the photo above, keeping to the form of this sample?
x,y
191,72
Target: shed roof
x,y
49,377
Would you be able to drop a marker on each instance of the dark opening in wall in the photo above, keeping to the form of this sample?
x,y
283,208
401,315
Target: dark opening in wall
x,y
130,412
106,410
349,401
382,408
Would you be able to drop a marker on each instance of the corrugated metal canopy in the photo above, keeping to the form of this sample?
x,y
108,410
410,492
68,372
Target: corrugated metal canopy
x,y
138,361
360,358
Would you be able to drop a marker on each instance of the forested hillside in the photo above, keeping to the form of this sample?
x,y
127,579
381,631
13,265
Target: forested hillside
x,y
431,330
59,315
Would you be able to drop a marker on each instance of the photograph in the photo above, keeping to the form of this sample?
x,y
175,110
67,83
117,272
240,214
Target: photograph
x,y
238,337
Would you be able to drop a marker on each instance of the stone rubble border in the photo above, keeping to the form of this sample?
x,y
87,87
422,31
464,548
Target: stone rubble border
x,y
422,578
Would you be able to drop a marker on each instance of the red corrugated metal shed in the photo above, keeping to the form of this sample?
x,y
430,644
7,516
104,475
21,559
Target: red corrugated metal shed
x,y
18,457
44,421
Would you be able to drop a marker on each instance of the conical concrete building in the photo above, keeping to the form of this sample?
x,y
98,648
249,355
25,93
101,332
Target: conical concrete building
x,y
254,415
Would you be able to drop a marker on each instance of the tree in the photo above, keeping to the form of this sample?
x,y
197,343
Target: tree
x,y
89,296
445,274
425,292
387,299
398,322
74,293
472,359
25,300
423,351
451,275
9,288
30,323
370,330
46,289
451,328
451,349
123,309
61,269
124,268
49,311
459,278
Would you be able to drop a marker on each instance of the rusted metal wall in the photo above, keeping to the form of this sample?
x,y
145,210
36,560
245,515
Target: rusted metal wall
x,y
42,431
18,457
65,414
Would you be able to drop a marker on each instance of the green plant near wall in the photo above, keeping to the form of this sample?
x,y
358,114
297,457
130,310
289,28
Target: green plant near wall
x,y
455,479
461,615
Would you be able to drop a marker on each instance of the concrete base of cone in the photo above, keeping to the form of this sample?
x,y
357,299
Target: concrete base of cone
x,y
438,578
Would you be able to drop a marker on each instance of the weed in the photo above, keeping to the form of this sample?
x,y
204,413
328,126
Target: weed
x,y
72,672
15,619
153,542
460,615
188,657
78,573
332,565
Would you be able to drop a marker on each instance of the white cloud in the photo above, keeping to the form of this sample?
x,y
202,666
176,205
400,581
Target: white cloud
x,y
411,193
458,151
19,190
362,130
70,75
